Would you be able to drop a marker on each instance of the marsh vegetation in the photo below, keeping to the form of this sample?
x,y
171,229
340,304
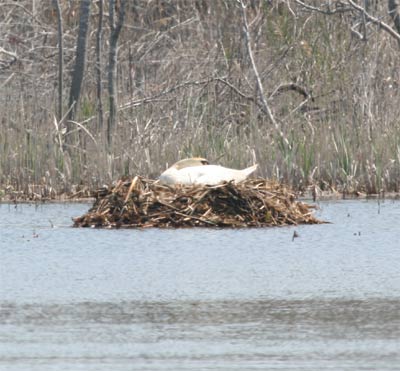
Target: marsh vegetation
x,y
91,91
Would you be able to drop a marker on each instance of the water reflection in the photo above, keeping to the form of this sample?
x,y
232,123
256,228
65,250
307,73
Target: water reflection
x,y
219,334
381,316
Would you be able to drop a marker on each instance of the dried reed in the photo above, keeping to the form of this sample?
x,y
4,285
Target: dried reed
x,y
147,203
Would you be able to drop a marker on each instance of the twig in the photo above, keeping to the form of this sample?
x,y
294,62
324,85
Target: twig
x,y
291,86
131,188
59,134
375,20
80,126
359,8
260,88
238,92
11,54
7,81
24,9
196,218
338,9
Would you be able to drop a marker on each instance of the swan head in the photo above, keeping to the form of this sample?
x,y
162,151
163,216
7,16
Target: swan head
x,y
190,162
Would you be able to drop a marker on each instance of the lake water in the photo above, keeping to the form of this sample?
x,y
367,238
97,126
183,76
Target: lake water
x,y
200,299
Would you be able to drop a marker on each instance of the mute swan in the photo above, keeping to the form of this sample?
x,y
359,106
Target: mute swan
x,y
197,171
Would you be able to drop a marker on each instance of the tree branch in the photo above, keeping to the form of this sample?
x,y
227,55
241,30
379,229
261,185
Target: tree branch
x,y
375,20
4,64
340,8
394,11
265,107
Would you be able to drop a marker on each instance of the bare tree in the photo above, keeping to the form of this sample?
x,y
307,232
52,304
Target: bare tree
x,y
264,104
60,58
80,59
115,28
99,35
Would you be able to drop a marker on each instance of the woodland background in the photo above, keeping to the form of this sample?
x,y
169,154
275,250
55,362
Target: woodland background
x,y
94,90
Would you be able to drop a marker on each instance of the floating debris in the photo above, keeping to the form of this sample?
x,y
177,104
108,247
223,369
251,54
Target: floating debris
x,y
143,203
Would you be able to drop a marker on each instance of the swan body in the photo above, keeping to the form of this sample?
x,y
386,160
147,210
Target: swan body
x,y
197,171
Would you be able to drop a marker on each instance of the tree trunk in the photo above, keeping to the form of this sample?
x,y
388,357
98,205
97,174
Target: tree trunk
x,y
60,59
99,35
112,65
80,59
394,11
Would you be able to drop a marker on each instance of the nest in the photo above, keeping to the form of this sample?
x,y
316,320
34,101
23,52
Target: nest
x,y
147,203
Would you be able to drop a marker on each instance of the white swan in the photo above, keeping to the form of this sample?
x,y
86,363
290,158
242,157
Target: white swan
x,y
196,170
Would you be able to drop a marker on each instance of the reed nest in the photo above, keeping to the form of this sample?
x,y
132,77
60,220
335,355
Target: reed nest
x,y
147,203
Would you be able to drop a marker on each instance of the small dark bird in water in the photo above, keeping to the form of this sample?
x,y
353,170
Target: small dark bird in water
x,y
295,235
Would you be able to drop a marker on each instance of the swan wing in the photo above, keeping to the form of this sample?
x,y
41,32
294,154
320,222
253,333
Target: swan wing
x,y
214,174
207,174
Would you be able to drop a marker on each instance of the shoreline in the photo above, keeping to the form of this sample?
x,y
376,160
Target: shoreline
x,y
12,196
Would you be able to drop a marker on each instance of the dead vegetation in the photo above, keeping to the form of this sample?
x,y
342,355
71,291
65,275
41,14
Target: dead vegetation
x,y
147,203
309,90
43,192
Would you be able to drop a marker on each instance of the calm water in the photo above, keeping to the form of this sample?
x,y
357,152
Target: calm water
x,y
84,299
